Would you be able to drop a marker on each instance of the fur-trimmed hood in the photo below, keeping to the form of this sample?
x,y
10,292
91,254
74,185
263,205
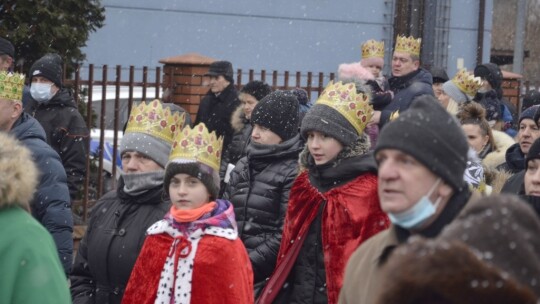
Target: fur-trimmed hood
x,y
19,174
497,157
238,119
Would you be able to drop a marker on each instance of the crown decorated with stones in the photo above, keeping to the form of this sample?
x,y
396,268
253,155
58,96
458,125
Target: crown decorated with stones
x,y
373,49
156,120
467,83
197,144
408,45
355,107
11,85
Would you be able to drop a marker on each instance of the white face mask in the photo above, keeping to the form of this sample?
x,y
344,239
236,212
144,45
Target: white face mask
x,y
41,92
415,216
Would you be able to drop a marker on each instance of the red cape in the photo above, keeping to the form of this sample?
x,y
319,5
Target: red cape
x,y
352,215
221,271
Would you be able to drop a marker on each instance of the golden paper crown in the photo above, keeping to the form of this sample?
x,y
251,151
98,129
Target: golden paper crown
x,y
11,85
467,83
155,120
394,115
355,107
408,45
373,48
197,144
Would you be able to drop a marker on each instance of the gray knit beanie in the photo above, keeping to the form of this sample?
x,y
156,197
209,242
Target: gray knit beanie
x,y
454,92
155,148
325,119
432,136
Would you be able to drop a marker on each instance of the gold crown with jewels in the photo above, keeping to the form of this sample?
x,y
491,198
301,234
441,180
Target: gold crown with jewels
x,y
408,45
197,144
355,107
373,48
467,83
156,120
11,85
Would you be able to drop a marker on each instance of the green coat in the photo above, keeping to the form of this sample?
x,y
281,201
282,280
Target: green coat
x,y
31,269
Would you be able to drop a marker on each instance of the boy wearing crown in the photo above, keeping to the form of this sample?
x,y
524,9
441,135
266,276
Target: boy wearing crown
x,y
51,203
333,204
118,221
408,80
194,254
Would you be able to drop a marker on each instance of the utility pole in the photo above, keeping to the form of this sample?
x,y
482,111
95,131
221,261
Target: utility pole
x,y
519,37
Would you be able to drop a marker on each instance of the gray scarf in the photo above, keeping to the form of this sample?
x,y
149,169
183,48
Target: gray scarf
x,y
138,183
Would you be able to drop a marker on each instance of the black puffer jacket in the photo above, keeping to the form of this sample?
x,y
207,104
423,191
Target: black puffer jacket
x,y
259,190
240,140
66,133
112,243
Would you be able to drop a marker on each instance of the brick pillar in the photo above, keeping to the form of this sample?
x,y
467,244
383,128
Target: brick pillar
x,y
183,82
511,86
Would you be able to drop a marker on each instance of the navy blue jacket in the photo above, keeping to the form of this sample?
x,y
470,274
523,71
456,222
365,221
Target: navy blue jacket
x,y
406,89
51,203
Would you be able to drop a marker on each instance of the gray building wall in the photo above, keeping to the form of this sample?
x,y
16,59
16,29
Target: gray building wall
x,y
302,35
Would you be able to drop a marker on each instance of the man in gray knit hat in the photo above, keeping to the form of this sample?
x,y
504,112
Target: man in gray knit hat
x,y
421,157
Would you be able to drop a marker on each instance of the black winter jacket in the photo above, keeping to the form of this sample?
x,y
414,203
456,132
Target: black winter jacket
x,y
515,184
51,204
406,89
67,134
113,240
239,142
259,191
515,160
216,111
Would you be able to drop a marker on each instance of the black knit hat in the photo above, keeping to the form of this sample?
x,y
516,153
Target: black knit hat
x,y
6,48
490,72
534,152
50,67
198,170
325,119
439,75
429,134
278,112
532,98
530,113
223,68
257,89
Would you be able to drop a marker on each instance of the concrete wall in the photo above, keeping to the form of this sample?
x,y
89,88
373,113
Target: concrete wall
x,y
302,35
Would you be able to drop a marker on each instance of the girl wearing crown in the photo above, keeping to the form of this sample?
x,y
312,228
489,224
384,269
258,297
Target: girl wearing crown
x,y
118,221
194,254
333,203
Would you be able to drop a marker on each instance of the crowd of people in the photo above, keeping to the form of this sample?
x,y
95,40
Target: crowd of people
x,y
411,188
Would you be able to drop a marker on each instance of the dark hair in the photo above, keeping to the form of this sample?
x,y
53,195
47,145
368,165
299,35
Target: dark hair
x,y
193,169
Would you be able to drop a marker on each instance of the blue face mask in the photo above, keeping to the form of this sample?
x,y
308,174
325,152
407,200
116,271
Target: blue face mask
x,y
417,214
41,92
